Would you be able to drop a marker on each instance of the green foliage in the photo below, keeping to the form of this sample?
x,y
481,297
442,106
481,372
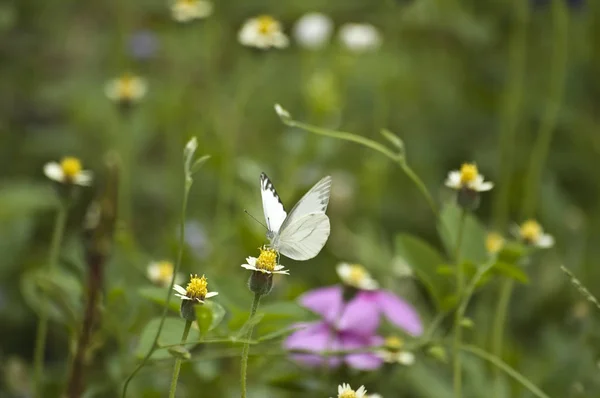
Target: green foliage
x,y
170,336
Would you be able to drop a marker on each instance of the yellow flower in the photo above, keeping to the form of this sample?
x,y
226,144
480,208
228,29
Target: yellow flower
x,y
68,171
266,262
188,10
345,391
126,89
161,272
393,352
263,32
468,177
494,242
532,233
357,276
196,290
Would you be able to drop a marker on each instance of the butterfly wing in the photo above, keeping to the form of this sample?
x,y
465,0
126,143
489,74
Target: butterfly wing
x,y
314,201
273,208
305,237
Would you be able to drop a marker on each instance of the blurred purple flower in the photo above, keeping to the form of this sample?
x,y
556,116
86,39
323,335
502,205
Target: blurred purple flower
x,y
143,44
570,3
197,238
349,325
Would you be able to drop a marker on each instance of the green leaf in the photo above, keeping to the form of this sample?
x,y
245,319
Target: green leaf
x,y
18,199
199,163
424,259
180,352
393,138
218,313
204,317
252,322
512,271
171,334
158,295
277,333
472,247
512,252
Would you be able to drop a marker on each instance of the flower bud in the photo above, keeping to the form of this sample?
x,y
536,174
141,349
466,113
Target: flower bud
x,y
260,283
188,310
468,199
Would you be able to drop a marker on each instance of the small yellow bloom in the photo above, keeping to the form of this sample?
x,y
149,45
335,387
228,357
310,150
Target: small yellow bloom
x,y
393,353
468,177
68,171
532,233
345,391
188,10
494,242
357,276
126,89
266,262
161,272
393,342
263,32
196,290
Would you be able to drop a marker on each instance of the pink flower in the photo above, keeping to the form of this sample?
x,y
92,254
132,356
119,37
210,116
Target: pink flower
x,y
349,326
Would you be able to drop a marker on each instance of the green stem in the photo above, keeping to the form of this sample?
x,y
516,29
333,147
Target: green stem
x,y
500,318
177,368
457,318
548,123
419,183
42,329
246,349
507,369
154,345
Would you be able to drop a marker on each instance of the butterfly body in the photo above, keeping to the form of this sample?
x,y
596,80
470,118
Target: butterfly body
x,y
301,234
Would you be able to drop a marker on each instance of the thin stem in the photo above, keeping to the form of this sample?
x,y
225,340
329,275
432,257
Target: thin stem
x,y
419,183
177,368
42,330
153,346
246,349
458,318
500,318
507,369
471,288
548,123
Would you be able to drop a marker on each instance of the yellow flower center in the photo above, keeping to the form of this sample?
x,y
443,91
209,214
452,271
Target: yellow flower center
x,y
127,86
393,343
468,173
71,167
267,24
267,259
357,274
348,394
165,270
530,230
494,242
197,288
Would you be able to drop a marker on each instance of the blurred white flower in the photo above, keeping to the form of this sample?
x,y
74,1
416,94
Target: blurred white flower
x,y
262,32
357,276
468,177
393,352
188,10
345,391
68,171
161,272
313,30
531,232
360,37
126,89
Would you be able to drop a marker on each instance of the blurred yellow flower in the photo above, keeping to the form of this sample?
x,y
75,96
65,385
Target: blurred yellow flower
x,y
494,242
126,89
188,10
196,290
532,233
468,177
393,353
161,272
263,32
68,171
357,276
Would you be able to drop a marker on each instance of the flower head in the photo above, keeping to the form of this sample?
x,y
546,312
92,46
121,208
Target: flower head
x,y
313,30
126,89
393,353
262,32
266,262
196,290
143,44
360,37
355,275
161,272
532,233
188,10
468,177
68,171
345,391
494,242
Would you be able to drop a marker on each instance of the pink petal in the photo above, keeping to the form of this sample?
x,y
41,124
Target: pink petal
x,y
360,316
398,311
326,301
362,361
316,336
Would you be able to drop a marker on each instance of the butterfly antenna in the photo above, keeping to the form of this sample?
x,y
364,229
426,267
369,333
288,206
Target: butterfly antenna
x,y
254,218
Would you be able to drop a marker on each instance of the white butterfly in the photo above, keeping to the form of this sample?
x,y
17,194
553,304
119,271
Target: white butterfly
x,y
302,234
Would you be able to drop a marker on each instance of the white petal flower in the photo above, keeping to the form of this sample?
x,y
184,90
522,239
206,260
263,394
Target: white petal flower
x,y
161,272
265,263
313,30
360,37
188,10
468,177
263,32
196,290
345,391
126,89
531,232
68,171
356,275
282,113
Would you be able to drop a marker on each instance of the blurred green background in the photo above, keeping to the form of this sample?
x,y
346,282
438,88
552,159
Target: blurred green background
x,y
452,78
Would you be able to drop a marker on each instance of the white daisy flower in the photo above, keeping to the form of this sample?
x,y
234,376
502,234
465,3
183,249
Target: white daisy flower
x,y
263,32
313,30
196,290
68,171
357,276
360,37
468,177
532,233
188,10
345,391
126,89
161,272
393,352
373,396
265,263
